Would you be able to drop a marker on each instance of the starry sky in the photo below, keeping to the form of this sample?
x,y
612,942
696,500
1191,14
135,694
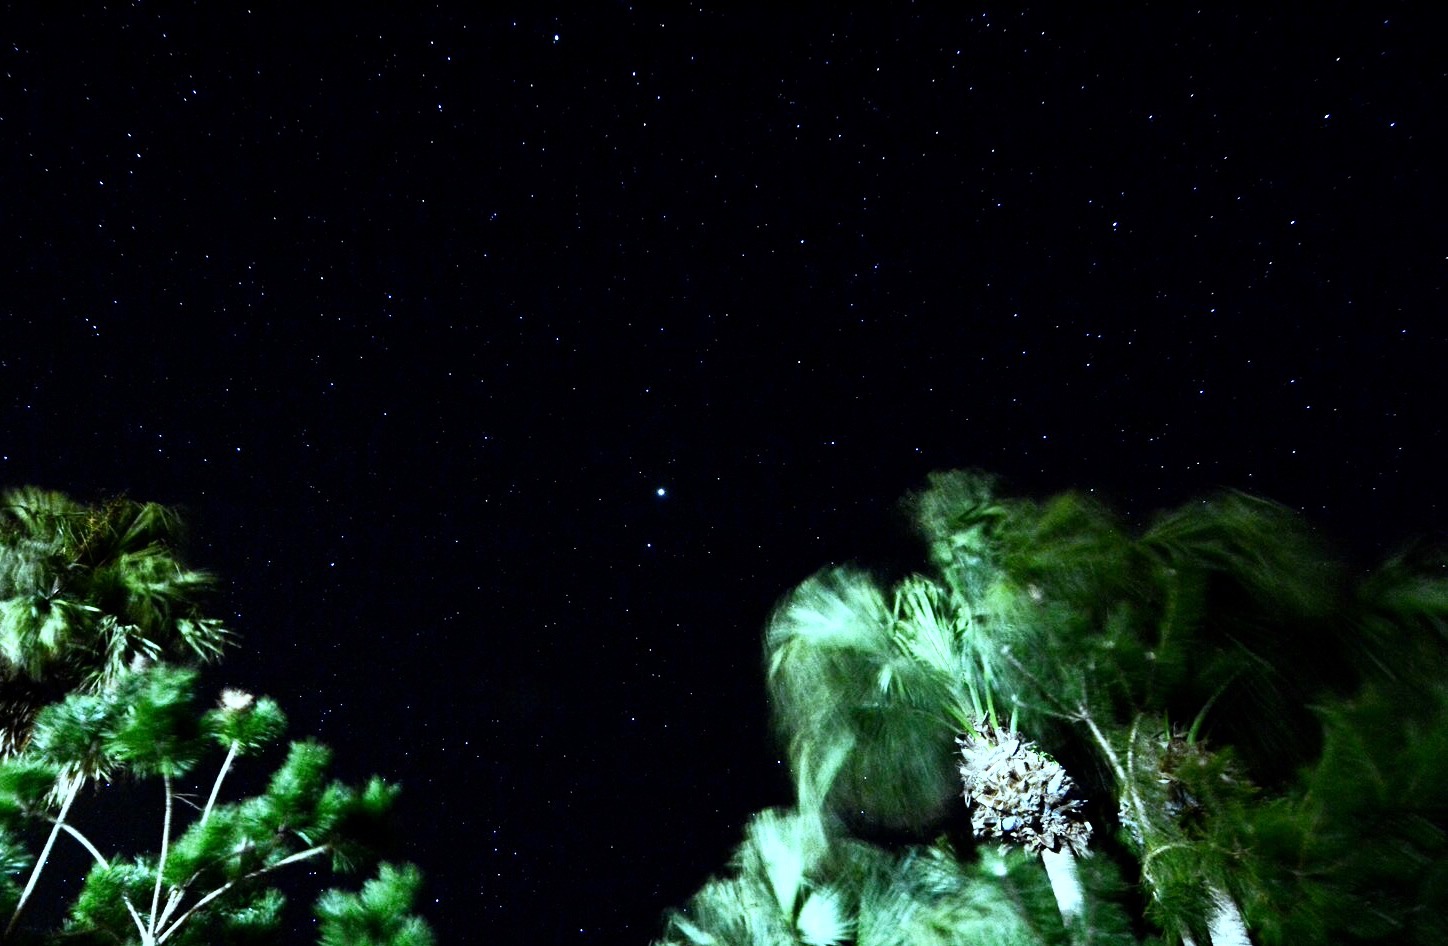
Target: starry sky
x,y
510,364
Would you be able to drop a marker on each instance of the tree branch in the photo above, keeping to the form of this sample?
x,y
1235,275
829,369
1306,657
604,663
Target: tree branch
x,y
76,781
299,856
161,861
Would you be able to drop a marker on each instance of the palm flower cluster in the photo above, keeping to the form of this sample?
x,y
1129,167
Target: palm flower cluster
x,y
1020,795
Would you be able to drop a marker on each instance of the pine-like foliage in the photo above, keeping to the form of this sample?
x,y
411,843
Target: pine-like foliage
x,y
378,915
1211,708
92,603
211,882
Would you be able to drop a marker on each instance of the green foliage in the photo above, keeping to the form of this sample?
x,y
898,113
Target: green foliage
x,y
244,722
928,896
867,707
26,783
74,734
360,823
93,602
793,881
1359,848
155,730
84,592
379,915
101,904
1265,738
214,887
292,797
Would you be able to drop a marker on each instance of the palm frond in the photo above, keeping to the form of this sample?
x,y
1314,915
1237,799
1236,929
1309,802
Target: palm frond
x,y
86,590
927,897
772,884
846,696
823,920
784,848
960,518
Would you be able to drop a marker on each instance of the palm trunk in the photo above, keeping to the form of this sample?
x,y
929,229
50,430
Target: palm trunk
x,y
1227,928
1065,884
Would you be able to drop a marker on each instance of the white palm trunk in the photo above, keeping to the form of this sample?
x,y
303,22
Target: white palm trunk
x,y
1227,928
1065,884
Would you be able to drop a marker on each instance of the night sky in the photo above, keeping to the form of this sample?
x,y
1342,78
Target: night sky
x,y
510,366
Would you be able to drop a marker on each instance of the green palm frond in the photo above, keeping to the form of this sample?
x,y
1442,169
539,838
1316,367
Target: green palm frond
x,y
1071,550
823,919
785,848
928,629
1401,615
86,590
773,882
1265,548
736,911
961,518
927,897
848,700
1357,852
35,512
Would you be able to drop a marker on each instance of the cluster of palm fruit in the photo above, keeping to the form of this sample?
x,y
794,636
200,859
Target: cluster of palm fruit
x,y
1209,731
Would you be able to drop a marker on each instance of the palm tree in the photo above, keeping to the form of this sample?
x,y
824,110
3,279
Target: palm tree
x,y
871,699
1227,613
1272,734
84,592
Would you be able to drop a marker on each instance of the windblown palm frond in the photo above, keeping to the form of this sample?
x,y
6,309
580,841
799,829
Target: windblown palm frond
x,y
775,894
84,591
961,519
1357,852
927,897
1264,548
1401,615
1253,614
865,698
930,896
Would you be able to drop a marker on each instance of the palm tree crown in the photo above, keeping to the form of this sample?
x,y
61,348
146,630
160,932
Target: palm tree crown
x,y
84,592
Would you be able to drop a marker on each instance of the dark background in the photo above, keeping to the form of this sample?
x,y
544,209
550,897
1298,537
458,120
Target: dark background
x,y
417,313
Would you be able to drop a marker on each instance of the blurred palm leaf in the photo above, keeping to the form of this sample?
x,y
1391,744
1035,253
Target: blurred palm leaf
x,y
868,698
86,590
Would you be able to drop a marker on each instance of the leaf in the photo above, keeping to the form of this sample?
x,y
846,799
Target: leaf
x,y
379,915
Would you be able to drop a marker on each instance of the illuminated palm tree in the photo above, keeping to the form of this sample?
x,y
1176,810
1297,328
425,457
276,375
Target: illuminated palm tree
x,y
888,717
1227,615
84,592
1270,737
